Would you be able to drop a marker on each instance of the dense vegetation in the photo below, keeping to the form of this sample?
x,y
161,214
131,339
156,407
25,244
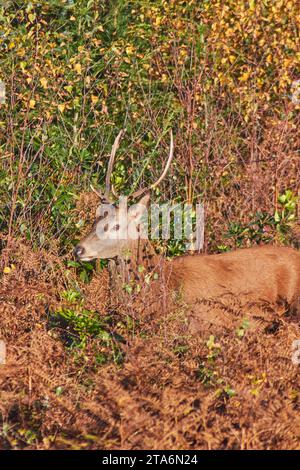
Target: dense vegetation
x,y
223,75
218,73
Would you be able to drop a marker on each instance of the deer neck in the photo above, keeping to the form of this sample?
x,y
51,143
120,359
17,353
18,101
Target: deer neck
x,y
145,277
137,264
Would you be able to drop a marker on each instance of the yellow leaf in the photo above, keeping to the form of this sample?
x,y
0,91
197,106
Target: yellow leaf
x,y
61,107
252,5
129,50
44,82
68,88
94,99
21,52
6,270
269,59
32,104
244,77
31,17
77,68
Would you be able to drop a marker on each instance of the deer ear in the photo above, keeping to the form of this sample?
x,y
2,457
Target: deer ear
x,y
145,200
138,210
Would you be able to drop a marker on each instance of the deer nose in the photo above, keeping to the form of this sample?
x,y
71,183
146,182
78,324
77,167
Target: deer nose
x,y
78,251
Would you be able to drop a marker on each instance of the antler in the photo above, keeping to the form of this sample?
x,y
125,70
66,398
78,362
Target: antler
x,y
110,168
111,161
141,191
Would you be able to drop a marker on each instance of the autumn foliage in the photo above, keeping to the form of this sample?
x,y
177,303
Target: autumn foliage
x,y
224,75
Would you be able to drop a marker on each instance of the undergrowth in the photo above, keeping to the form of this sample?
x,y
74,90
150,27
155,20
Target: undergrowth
x,y
83,370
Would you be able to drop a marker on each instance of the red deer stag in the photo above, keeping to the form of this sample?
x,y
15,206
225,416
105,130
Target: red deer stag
x,y
267,274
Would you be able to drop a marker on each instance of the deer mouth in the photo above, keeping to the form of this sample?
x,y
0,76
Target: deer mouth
x,y
81,255
87,258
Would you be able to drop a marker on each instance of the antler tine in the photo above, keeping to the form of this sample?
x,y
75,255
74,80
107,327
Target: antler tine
x,y
139,192
111,161
96,192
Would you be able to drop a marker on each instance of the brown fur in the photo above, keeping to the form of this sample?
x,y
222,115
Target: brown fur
x,y
222,289
267,274
214,285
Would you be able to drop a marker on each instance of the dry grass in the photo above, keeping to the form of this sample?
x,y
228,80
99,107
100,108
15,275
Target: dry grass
x,y
173,391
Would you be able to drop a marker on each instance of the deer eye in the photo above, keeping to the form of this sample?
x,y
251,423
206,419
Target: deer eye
x,y
105,228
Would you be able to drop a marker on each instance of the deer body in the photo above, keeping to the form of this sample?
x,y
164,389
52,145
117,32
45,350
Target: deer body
x,y
260,274
266,273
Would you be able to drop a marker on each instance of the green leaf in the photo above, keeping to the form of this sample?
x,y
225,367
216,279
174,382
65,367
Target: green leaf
x,y
277,217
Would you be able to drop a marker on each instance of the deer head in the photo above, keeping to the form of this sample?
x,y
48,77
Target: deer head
x,y
116,229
